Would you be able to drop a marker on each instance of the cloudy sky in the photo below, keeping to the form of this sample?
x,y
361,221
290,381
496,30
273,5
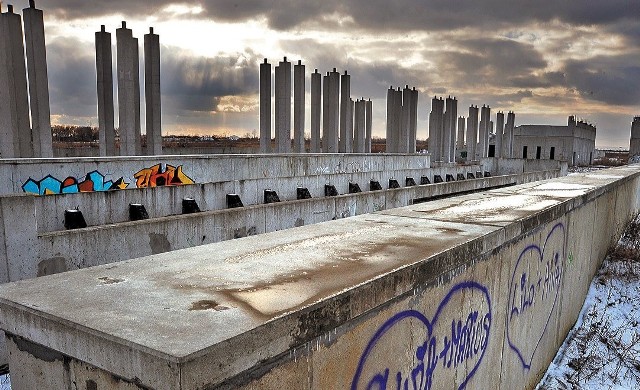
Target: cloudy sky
x,y
543,59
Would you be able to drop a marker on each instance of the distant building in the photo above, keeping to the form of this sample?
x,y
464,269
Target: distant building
x,y
574,143
634,145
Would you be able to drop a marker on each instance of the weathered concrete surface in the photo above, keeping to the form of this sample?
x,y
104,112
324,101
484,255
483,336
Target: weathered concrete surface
x,y
466,291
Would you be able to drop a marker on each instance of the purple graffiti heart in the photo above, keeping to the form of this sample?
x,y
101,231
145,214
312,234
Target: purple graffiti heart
x,y
533,294
422,376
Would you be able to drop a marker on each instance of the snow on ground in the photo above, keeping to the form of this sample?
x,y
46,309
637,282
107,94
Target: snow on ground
x,y
5,383
602,351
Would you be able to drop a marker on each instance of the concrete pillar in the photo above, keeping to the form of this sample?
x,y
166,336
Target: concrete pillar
x,y
152,92
316,94
359,138
634,144
398,121
472,133
265,107
15,129
346,137
499,134
448,119
508,134
350,123
368,123
460,137
390,120
127,76
413,124
404,132
104,73
38,81
485,115
298,107
333,110
283,107
436,129
137,136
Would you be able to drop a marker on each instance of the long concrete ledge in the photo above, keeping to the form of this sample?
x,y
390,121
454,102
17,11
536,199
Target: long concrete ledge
x,y
472,291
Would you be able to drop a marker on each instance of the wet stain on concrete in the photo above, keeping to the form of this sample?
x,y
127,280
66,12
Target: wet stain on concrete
x,y
299,222
206,304
53,265
108,280
159,243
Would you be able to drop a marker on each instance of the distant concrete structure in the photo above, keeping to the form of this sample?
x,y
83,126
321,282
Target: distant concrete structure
x,y
436,129
346,136
634,144
104,81
283,107
368,123
298,107
316,109
485,126
574,143
404,132
449,130
499,135
128,91
265,107
152,92
359,131
460,137
38,81
402,120
413,121
15,129
330,136
472,133
508,135
390,130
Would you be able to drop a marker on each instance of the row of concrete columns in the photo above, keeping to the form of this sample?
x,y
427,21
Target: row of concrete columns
x,y
18,136
128,78
346,125
402,120
443,124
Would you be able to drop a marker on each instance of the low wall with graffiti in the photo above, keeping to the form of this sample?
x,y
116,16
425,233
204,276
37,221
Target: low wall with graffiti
x,y
474,291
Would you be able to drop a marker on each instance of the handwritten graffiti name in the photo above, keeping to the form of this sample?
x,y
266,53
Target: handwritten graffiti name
x,y
533,292
157,176
452,341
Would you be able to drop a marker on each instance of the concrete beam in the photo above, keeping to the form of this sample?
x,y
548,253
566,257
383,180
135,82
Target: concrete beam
x,y
104,73
265,107
152,93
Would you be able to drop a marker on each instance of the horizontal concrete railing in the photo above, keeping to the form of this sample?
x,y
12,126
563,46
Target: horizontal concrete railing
x,y
473,291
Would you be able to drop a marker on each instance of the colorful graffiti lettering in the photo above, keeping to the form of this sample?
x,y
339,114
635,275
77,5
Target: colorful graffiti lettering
x,y
155,176
93,181
533,293
454,339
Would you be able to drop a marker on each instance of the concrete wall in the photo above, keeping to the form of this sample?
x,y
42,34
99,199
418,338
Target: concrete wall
x,y
474,291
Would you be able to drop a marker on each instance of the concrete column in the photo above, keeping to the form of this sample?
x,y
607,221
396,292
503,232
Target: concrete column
x,y
390,120
325,113
283,107
152,92
404,132
333,108
104,73
472,133
15,129
508,134
368,122
298,107
634,141
346,137
460,137
413,123
316,93
265,107
485,115
398,122
38,81
137,137
436,129
127,75
350,122
359,139
499,134
449,120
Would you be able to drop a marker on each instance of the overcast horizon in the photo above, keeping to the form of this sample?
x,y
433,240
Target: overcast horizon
x,y
544,60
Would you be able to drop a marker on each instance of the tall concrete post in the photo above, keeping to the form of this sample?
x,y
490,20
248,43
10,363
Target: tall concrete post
x,y
460,137
472,133
346,137
333,107
298,107
413,123
283,106
316,93
265,107
436,129
448,126
38,80
485,115
136,88
398,122
127,76
404,132
325,113
152,92
350,124
104,80
15,129
368,125
499,134
359,138
390,120
634,142
508,134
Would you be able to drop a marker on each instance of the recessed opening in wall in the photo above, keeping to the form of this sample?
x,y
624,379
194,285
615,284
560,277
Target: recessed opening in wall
x,y
492,150
552,153
538,152
524,152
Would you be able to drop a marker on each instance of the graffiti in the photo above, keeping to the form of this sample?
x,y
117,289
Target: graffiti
x,y
93,181
457,337
533,293
156,176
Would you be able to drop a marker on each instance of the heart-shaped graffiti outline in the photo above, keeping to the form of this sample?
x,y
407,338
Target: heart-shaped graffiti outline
x,y
526,364
429,326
